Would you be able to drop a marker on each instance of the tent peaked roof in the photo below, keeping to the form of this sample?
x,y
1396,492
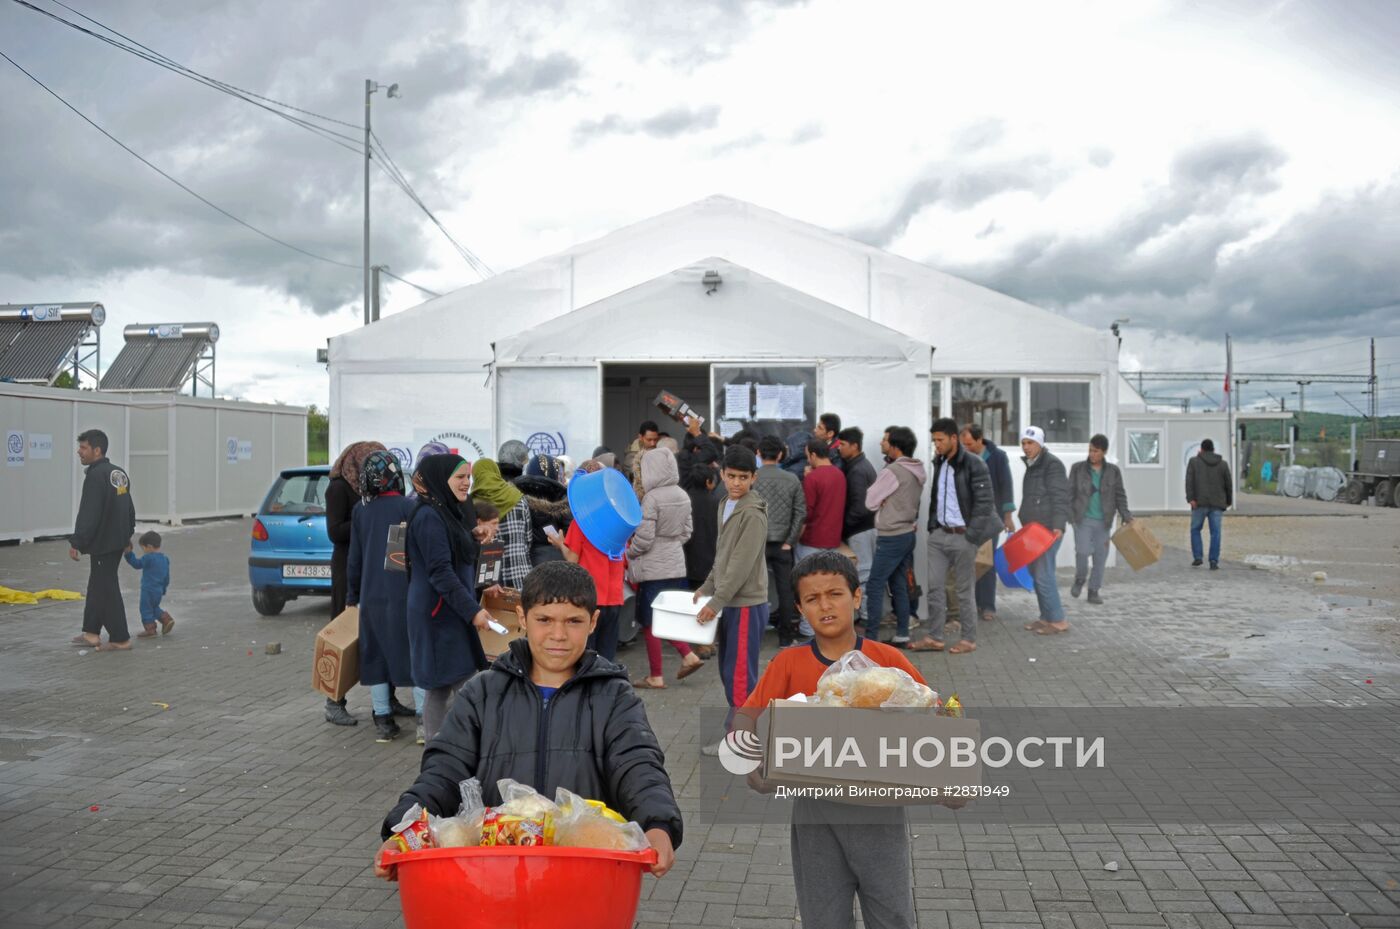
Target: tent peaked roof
x,y
746,315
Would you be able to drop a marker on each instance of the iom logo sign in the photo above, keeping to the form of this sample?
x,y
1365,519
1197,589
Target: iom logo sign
x,y
546,443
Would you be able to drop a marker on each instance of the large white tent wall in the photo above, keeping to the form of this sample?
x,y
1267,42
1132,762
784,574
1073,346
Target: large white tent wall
x,y
521,353
188,458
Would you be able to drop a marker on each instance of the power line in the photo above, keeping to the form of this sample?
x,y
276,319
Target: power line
x,y
386,271
200,197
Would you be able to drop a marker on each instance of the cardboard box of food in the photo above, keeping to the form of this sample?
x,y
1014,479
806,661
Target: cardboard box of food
x,y
1138,546
859,750
502,609
986,557
336,665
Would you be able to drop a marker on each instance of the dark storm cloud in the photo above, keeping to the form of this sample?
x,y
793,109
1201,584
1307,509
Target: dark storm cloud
x,y
78,206
960,187
1327,270
668,124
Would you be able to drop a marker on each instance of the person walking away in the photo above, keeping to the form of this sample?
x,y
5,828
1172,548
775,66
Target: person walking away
x,y
961,516
787,511
656,557
342,493
382,595
736,589
443,612
429,448
608,577
1091,483
858,524
1045,500
828,431
106,520
514,532
824,488
155,581
1004,496
648,434
704,532
1210,492
548,499
894,498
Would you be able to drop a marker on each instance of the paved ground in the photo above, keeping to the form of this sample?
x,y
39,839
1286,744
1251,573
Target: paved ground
x,y
238,806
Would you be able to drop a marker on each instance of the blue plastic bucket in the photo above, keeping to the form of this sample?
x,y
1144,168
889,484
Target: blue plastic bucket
x,y
606,510
1018,579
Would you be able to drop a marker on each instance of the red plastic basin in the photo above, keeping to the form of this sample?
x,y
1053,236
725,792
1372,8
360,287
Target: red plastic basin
x,y
519,888
1025,546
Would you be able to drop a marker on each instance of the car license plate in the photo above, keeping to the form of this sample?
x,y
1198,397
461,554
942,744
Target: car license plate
x,y
306,570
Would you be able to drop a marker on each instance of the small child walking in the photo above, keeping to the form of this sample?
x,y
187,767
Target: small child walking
x,y
155,581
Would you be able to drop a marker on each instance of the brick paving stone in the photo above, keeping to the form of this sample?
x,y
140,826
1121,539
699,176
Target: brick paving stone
x,y
238,806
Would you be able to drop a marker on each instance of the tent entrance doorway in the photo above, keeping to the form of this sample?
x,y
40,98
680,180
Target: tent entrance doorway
x,y
628,392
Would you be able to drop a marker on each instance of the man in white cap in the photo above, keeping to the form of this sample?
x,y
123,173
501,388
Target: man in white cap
x,y
1045,500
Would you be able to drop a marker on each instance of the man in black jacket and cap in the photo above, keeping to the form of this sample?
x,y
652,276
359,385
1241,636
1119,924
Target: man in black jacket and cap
x,y
106,520
1210,492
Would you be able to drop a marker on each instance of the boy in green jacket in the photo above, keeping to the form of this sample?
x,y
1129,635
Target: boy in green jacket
x,y
738,584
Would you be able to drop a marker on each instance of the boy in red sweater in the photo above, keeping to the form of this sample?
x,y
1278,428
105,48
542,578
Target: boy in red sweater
x,y
832,862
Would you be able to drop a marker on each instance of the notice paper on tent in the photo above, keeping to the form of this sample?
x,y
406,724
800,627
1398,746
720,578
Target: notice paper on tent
x,y
767,406
790,402
736,401
729,428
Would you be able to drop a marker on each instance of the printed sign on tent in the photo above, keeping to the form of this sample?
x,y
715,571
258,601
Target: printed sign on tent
x,y
245,450
14,449
231,450
40,446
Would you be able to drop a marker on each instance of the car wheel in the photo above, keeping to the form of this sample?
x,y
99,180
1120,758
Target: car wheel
x,y
266,602
1356,492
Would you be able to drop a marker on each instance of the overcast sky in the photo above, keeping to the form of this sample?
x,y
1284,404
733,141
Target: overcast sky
x,y
1194,167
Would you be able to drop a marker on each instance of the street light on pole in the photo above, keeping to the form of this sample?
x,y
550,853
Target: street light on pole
x,y
392,91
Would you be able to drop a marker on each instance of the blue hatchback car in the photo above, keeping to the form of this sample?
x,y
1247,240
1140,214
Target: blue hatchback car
x,y
291,553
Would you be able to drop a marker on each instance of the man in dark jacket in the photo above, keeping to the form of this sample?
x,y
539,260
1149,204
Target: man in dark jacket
x,y
858,527
961,516
828,431
549,714
1004,494
1096,496
1045,500
106,520
787,511
1210,492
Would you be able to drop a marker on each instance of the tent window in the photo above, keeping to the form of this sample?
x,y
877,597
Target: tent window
x,y
992,402
1061,409
1145,448
935,399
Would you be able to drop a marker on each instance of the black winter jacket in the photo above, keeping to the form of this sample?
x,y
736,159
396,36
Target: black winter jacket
x,y
860,474
593,738
999,466
106,514
704,534
549,506
1208,482
1045,492
976,501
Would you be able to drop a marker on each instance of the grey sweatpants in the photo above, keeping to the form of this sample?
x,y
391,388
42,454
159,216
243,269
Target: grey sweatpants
x,y
1090,543
945,550
435,707
840,852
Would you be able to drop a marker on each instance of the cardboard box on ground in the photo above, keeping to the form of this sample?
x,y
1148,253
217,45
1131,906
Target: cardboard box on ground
x,y
502,609
335,667
809,724
1138,546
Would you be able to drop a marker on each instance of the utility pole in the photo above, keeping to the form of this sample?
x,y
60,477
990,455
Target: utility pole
x,y
1302,406
1375,405
1230,418
393,91
374,292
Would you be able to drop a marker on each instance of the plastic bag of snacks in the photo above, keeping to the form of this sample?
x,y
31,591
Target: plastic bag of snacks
x,y
412,832
464,829
590,824
856,681
524,818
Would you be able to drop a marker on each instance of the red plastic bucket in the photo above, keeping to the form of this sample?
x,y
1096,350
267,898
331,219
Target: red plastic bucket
x,y
519,888
1025,546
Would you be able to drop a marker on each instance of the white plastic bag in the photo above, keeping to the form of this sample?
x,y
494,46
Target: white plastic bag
x,y
854,680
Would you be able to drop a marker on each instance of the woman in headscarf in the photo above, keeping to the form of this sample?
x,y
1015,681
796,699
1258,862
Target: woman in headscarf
x,y
548,500
381,594
342,494
429,448
514,532
443,612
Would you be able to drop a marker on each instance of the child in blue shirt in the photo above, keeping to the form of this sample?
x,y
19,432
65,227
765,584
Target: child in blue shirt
x,y
155,581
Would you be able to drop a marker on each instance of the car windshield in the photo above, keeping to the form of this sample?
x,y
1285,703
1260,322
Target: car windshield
x,y
298,495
